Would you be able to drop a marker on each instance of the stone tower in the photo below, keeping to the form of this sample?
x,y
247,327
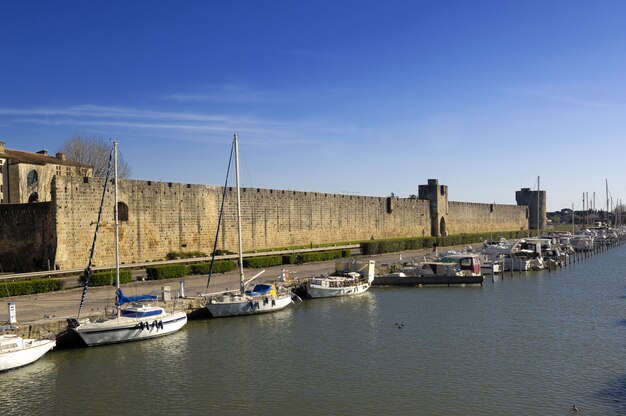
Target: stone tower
x,y
438,197
536,203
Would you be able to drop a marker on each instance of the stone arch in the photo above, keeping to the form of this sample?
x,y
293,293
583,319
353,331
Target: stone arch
x,y
442,227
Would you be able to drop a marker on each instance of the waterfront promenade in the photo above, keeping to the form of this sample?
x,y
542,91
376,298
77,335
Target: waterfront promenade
x,y
50,310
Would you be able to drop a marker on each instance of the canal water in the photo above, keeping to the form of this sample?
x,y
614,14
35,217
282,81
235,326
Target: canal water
x,y
532,344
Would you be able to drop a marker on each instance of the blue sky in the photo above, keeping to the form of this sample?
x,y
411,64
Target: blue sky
x,y
358,97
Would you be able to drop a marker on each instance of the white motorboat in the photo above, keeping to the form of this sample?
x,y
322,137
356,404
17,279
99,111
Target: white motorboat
x,y
16,351
357,279
136,322
262,298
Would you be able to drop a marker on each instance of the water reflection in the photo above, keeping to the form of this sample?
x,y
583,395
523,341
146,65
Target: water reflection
x,y
615,395
25,385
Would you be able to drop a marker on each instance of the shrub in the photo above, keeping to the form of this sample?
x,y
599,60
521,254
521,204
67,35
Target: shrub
x,y
29,287
220,266
171,271
106,278
401,244
315,256
321,255
262,261
173,255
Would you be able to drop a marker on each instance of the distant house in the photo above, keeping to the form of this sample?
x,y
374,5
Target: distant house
x,y
27,176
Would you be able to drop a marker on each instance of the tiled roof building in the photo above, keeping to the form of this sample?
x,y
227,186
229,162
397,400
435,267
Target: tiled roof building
x,y
27,176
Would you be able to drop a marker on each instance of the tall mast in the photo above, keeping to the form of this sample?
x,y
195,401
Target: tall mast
x,y
241,277
608,208
573,225
115,216
587,211
538,209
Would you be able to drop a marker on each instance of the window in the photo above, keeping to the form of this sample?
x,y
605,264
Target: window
x,y
31,179
122,211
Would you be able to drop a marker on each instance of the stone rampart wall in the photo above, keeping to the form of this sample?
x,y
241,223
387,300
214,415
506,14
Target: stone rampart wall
x,y
159,217
468,217
164,217
27,237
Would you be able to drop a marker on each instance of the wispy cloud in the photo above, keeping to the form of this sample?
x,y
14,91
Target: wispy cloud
x,y
551,93
178,126
239,93
230,94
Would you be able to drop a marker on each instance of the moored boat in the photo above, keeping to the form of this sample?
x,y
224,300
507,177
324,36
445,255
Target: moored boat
x,y
350,278
262,298
450,269
16,351
136,322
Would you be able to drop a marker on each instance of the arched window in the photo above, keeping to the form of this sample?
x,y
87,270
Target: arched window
x,y
122,211
32,179
34,197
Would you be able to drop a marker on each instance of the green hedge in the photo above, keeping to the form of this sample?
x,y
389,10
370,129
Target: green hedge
x,y
29,287
415,243
172,271
173,255
108,278
315,256
262,261
220,266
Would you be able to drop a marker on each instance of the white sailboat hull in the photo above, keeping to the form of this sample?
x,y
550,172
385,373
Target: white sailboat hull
x,y
28,351
319,291
237,306
125,329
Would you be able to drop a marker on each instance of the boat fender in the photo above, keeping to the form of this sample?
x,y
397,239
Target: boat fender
x,y
141,325
147,326
273,302
161,324
155,324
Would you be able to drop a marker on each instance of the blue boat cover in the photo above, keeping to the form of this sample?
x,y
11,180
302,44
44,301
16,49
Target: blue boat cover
x,y
121,299
139,314
260,289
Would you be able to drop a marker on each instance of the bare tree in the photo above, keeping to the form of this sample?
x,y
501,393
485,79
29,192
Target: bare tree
x,y
94,151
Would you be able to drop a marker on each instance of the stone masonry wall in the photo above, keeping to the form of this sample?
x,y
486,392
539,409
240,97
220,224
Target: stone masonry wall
x,y
164,217
468,217
27,237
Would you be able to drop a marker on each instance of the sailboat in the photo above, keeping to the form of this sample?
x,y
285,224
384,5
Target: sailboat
x,y
135,322
264,297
